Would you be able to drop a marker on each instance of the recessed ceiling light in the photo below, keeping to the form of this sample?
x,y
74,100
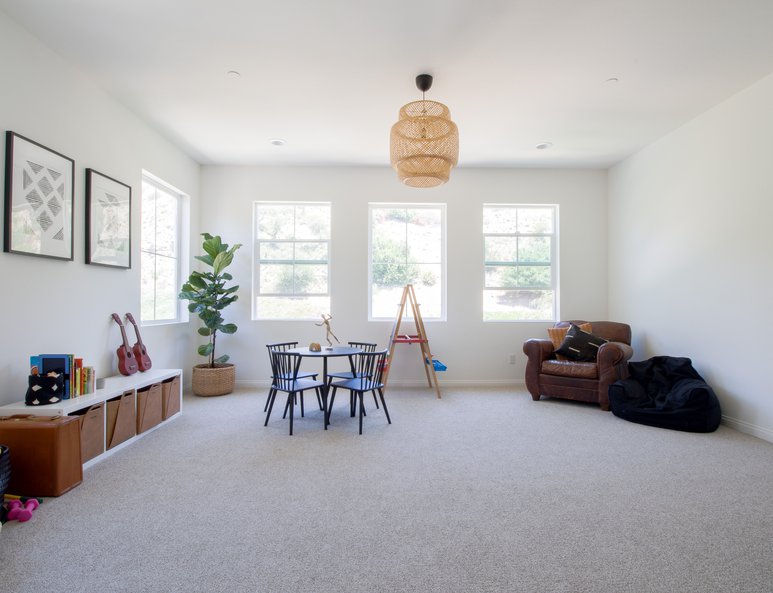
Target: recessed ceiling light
x,y
278,141
233,74
612,80
544,145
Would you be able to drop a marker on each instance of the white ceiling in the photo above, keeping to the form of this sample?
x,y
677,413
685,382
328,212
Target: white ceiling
x,y
329,76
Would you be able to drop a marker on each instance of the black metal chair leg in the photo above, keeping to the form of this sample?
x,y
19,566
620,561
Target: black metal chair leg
x,y
270,407
330,405
323,397
383,403
291,401
353,404
375,399
359,393
268,399
301,398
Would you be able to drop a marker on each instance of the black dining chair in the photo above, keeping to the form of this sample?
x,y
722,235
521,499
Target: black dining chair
x,y
286,378
368,374
284,347
351,374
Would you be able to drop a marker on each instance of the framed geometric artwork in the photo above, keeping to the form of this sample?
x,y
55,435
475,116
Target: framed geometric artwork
x,y
39,185
108,221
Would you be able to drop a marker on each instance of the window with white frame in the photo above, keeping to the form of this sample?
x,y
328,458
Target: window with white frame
x,y
163,237
407,245
520,262
292,260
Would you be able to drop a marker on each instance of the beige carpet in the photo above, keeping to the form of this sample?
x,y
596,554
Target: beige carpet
x,y
482,491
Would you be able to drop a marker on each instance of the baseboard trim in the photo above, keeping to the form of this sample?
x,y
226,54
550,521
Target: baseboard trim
x,y
256,383
748,428
265,384
739,425
419,383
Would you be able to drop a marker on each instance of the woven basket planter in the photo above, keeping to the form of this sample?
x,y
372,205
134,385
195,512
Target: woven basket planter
x,y
208,381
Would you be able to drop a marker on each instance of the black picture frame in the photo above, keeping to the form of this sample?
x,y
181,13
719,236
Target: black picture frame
x,y
108,221
39,199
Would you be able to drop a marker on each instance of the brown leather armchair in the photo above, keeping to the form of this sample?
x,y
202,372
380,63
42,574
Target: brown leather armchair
x,y
583,381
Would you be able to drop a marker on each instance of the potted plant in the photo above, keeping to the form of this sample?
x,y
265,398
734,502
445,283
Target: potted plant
x,y
208,296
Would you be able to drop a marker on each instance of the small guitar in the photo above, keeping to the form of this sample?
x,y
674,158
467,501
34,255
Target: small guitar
x,y
140,352
127,363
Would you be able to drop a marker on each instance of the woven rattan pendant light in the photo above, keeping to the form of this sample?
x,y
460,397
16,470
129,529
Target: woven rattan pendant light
x,y
424,143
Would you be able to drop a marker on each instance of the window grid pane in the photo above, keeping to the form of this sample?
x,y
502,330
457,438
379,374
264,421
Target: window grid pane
x,y
519,256
407,247
160,261
292,246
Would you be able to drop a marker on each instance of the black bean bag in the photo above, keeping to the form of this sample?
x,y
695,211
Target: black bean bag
x,y
667,392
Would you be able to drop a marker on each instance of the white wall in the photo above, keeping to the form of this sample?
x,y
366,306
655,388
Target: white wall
x,y
57,306
475,352
690,251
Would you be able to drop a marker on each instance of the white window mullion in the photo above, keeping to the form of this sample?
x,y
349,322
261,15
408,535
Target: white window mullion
x,y
287,281
514,289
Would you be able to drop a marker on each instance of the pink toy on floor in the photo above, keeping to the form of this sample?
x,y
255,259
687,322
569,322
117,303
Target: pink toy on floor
x,y
19,511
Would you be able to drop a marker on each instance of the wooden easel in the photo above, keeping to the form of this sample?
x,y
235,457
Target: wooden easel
x,y
420,338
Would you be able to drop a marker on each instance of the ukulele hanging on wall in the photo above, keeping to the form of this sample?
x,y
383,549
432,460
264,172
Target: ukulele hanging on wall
x,y
127,363
140,352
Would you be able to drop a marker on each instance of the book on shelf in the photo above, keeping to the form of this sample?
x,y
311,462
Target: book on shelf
x,y
78,379
88,380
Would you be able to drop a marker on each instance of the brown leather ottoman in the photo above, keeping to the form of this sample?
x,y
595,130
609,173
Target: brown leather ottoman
x,y
45,454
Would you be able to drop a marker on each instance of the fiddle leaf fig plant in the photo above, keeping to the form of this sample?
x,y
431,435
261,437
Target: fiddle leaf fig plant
x,y
208,295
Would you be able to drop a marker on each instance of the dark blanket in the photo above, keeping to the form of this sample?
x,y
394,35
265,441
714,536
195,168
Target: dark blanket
x,y
667,392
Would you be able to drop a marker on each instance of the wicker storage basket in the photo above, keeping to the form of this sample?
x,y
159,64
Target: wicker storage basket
x,y
208,381
5,471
